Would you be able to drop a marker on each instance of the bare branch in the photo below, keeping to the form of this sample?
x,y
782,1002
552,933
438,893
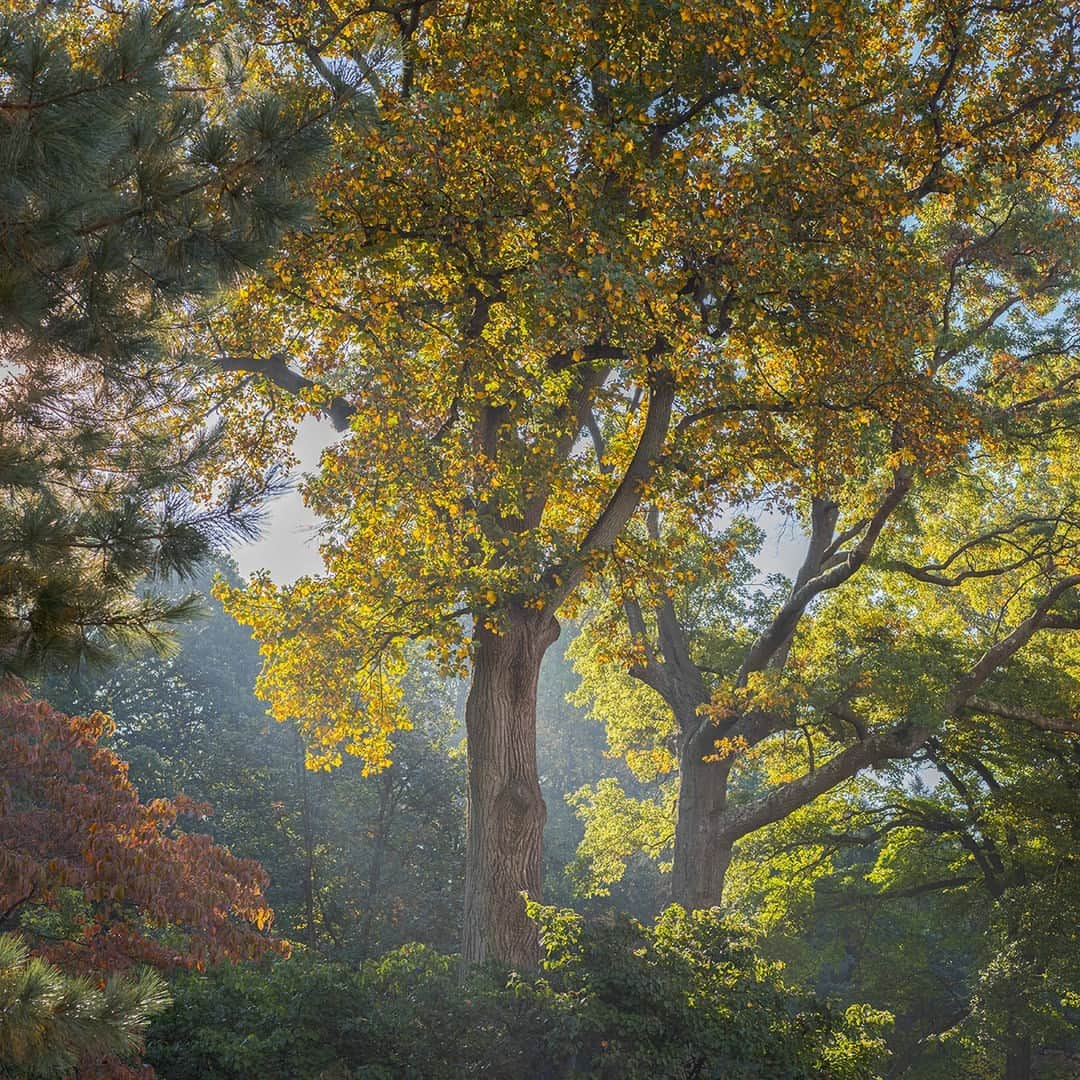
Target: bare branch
x,y
274,369
780,631
1069,725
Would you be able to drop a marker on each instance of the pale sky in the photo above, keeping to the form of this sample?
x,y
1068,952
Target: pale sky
x,y
288,547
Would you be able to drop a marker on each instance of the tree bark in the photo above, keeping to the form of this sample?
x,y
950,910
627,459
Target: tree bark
x,y
702,850
1018,1058
506,809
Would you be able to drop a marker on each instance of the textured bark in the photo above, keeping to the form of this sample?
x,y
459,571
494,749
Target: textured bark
x,y
702,850
506,810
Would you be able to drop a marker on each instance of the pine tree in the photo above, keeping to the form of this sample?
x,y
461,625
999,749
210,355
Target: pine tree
x,y
48,1018
127,198
125,194
94,499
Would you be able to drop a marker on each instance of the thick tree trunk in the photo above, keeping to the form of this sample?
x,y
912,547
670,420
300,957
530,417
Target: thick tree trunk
x,y
1018,1058
702,851
506,810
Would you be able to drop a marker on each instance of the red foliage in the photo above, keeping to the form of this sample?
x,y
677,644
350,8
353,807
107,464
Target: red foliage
x,y
71,819
112,1068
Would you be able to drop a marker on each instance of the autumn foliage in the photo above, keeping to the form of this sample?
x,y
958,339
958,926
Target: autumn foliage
x,y
106,879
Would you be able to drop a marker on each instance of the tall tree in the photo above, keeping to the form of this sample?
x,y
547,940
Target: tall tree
x,y
128,196
683,228
928,603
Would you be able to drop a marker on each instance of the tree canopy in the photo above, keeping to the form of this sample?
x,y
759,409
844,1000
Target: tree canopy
x,y
682,255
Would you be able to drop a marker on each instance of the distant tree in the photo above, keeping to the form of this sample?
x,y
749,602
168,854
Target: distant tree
x,y
356,864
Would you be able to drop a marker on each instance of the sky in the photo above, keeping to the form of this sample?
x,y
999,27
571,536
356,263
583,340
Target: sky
x,y
289,546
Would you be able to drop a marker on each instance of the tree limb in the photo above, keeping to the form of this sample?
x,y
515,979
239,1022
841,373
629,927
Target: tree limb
x,y
998,654
899,742
567,575
274,369
783,625
1037,719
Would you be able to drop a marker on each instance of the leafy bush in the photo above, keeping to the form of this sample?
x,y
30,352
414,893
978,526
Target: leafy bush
x,y
687,997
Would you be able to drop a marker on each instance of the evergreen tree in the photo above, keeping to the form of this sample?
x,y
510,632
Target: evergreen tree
x,y
48,1019
124,192
127,197
94,498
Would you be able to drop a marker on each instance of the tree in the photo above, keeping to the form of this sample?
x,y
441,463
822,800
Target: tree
x,y
681,228
356,865
100,879
96,499
127,191
127,199
943,890
931,611
48,1019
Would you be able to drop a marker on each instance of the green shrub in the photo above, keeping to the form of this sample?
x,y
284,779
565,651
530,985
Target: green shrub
x,y
687,997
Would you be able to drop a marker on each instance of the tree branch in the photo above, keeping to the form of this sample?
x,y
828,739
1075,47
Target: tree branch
x,y
563,578
275,370
808,585
1004,650
1037,719
899,742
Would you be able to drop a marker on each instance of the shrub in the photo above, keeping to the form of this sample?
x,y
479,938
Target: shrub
x,y
687,997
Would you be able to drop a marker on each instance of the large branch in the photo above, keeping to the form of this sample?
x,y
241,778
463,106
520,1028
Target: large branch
x,y
567,575
899,742
651,671
1069,725
275,370
903,740
1000,653
838,569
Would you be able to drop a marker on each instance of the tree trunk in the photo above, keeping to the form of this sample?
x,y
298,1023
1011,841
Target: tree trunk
x,y
308,840
380,842
702,851
506,810
1018,1058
